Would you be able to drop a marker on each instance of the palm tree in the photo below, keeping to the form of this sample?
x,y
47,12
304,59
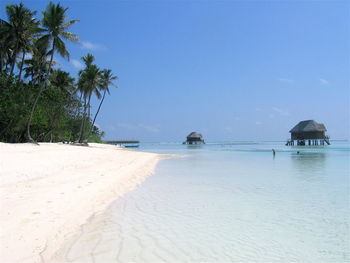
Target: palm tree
x,y
63,81
37,65
54,23
106,81
20,30
6,44
88,59
89,82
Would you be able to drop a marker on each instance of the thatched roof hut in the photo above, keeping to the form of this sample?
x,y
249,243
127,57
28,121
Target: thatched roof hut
x,y
194,138
308,130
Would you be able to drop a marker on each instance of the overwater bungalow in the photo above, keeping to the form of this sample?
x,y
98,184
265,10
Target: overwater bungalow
x,y
194,138
308,132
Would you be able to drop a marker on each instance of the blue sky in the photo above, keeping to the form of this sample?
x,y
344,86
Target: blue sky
x,y
233,70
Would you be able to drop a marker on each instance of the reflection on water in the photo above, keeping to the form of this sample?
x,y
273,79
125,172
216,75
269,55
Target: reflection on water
x,y
309,165
194,146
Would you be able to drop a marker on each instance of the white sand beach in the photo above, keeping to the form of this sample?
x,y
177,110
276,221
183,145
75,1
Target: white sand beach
x,y
49,191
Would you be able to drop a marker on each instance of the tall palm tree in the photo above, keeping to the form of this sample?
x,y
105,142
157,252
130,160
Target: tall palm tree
x,y
21,28
6,44
55,25
37,65
105,81
88,59
89,82
63,81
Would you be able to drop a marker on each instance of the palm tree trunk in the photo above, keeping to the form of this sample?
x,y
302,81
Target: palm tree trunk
x,y
89,106
98,110
89,115
82,122
77,110
29,137
21,68
42,87
51,59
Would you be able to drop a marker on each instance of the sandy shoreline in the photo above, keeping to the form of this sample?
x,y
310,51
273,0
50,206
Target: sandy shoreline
x,y
49,191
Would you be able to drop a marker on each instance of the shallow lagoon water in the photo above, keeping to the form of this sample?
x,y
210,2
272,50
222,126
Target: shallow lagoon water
x,y
229,203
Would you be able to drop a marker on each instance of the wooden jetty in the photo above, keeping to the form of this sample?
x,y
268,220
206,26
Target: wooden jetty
x,y
308,132
124,143
121,141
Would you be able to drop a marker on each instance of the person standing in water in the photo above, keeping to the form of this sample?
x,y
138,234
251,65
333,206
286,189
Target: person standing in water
x,y
273,152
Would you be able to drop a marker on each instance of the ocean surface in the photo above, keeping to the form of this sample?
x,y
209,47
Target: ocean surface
x,y
225,202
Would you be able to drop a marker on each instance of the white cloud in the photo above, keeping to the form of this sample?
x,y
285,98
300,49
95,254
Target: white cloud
x,y
258,123
92,46
150,128
285,80
324,82
280,111
127,126
77,64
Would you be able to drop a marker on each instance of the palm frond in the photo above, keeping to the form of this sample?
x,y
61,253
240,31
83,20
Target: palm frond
x,y
61,48
70,36
88,59
43,42
68,24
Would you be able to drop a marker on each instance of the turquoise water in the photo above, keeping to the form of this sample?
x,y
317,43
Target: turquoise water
x,y
229,203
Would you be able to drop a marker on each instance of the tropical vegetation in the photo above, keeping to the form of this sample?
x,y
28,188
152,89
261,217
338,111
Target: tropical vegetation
x,y
39,101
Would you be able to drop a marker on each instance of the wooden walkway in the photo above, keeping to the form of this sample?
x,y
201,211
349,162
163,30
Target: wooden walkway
x,y
121,141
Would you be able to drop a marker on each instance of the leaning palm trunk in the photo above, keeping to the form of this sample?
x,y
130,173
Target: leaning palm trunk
x,y
88,115
82,126
42,87
29,137
98,110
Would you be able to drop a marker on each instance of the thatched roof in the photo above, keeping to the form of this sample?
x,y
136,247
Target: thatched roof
x,y
309,126
194,135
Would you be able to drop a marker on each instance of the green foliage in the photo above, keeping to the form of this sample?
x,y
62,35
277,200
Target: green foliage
x,y
96,135
45,103
57,116
14,110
